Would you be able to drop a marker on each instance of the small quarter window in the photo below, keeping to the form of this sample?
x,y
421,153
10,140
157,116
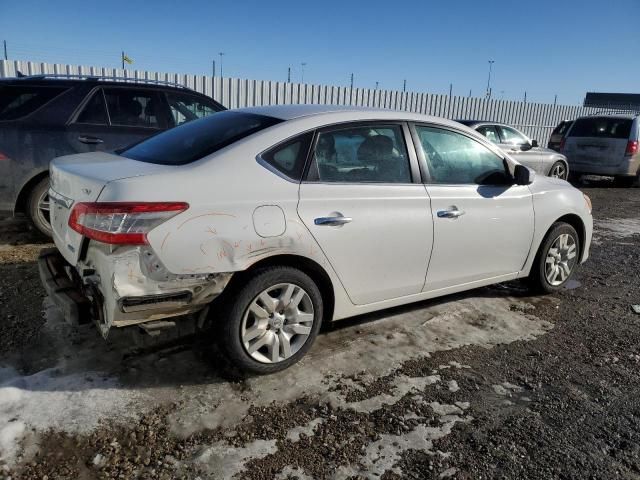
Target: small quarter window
x,y
185,107
289,158
94,111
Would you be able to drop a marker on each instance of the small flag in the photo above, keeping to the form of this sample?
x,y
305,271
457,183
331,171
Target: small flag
x,y
126,59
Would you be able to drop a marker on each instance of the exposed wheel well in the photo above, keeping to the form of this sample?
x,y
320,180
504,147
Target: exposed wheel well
x,y
21,201
311,268
576,222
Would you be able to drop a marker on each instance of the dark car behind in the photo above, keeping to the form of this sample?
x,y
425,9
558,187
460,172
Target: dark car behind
x,y
558,133
42,118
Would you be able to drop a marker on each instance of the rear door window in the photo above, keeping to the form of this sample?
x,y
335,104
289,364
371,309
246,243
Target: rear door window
x,y
185,107
195,140
490,132
362,154
134,108
602,127
17,101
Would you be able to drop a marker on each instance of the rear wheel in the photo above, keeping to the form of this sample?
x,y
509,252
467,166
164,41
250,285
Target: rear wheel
x,y
271,321
556,259
624,181
38,207
559,170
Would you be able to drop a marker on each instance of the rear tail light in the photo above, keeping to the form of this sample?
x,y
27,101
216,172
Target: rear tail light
x,y
122,223
3,156
632,147
562,142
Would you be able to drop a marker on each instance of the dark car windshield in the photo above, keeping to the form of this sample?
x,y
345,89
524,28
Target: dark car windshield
x,y
199,138
603,127
17,101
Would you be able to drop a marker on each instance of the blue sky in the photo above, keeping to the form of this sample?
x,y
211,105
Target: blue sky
x,y
544,47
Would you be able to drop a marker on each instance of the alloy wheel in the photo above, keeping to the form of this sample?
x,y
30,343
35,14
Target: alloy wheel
x,y
44,208
559,171
561,258
277,323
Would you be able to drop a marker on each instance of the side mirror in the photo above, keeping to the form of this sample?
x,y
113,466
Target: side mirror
x,y
534,143
522,175
526,146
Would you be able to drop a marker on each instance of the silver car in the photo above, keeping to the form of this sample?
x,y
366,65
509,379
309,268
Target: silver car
x,y
543,160
605,145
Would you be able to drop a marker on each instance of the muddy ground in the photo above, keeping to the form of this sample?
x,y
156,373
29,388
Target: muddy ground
x,y
493,383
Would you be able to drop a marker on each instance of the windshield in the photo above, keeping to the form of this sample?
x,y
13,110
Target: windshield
x,y
199,138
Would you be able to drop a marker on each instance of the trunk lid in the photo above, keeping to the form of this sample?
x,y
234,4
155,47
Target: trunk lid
x,y
81,178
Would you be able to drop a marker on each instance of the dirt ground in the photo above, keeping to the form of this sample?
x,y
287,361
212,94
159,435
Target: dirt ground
x,y
492,383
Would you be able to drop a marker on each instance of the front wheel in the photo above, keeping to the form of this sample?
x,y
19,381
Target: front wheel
x,y
556,259
559,170
38,207
271,321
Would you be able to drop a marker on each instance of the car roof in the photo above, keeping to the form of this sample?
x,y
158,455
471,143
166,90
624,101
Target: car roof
x,y
94,81
471,123
342,112
626,116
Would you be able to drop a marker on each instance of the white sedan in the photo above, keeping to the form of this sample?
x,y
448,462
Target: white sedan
x,y
270,221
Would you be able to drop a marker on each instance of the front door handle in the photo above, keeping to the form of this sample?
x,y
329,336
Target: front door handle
x,y
332,221
90,140
451,212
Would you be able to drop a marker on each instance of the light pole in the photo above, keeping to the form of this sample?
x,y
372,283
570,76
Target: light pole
x,y
303,64
491,62
221,55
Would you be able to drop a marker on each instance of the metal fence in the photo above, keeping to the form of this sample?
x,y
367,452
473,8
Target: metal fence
x,y
535,119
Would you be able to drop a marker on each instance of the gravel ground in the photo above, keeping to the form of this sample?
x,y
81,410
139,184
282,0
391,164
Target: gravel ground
x,y
489,384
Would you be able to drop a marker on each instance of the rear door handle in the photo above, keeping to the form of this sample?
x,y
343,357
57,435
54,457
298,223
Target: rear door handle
x,y
451,212
332,221
90,140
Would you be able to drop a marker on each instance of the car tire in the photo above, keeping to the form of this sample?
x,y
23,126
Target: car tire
x,y
555,255
575,177
624,182
251,329
559,170
37,207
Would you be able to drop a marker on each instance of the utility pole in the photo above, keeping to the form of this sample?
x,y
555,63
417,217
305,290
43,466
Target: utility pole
x,y
555,99
213,68
450,90
352,80
404,86
303,64
525,97
289,75
221,55
469,93
377,83
122,58
5,50
491,62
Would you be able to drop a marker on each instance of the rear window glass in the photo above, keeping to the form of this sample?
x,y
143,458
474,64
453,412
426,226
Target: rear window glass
x,y
17,101
603,127
199,138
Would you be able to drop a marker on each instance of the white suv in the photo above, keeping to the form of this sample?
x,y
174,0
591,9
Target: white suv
x,y
288,216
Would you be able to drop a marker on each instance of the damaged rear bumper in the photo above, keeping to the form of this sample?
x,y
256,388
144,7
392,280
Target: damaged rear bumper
x,y
66,295
123,286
